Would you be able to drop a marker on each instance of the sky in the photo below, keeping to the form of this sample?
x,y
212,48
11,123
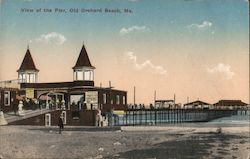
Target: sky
x,y
195,49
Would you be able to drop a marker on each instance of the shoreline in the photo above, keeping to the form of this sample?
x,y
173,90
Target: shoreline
x,y
125,142
173,128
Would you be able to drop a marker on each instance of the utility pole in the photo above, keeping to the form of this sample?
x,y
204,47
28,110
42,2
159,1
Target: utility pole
x,y
109,84
154,97
134,95
174,98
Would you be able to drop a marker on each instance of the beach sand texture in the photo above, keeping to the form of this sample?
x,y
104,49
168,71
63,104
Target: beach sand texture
x,y
129,142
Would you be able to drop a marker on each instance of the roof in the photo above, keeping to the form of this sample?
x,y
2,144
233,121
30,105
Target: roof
x,y
83,59
28,63
230,103
162,101
197,102
57,84
77,86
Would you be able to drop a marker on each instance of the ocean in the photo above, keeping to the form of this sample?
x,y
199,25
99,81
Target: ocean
x,y
233,120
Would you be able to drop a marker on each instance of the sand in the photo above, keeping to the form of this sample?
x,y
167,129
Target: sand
x,y
190,141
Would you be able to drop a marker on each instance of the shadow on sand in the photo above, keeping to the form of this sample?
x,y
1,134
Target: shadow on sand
x,y
197,146
89,129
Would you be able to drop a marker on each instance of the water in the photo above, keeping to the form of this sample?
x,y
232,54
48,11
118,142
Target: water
x,y
233,120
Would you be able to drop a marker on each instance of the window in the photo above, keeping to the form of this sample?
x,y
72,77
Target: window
x,y
74,75
87,75
32,78
83,74
64,117
104,98
76,99
123,100
28,78
7,98
78,75
22,77
76,102
117,99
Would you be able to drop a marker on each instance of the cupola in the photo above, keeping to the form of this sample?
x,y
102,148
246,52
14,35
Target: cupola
x,y
83,70
28,73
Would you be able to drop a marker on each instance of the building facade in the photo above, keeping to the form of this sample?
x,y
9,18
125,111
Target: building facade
x,y
74,98
231,104
8,100
197,105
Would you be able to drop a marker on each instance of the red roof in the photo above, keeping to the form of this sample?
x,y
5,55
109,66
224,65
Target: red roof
x,y
197,102
230,103
83,59
28,63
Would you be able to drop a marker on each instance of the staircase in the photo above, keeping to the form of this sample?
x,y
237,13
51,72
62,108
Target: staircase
x,y
11,117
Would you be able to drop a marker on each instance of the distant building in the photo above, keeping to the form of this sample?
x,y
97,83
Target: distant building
x,y
197,105
169,104
230,104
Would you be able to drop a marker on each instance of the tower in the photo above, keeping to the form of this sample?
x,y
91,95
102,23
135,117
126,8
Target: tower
x,y
28,73
83,70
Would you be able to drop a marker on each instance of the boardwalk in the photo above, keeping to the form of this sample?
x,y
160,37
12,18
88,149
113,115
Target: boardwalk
x,y
163,116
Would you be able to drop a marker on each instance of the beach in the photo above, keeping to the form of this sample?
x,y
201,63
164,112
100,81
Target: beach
x,y
171,141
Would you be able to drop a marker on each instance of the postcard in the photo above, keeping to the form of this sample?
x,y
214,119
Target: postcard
x,y
124,79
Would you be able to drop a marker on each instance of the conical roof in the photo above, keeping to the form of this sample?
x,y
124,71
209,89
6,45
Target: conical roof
x,y
28,63
83,59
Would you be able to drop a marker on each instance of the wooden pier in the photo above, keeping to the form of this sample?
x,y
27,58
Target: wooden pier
x,y
164,116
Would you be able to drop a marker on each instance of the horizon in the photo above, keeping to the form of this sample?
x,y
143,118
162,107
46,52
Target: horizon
x,y
165,47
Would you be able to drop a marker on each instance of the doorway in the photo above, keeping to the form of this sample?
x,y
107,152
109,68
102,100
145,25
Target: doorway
x,y
47,119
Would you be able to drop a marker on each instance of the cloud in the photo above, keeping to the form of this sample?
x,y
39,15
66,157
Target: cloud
x,y
132,29
146,64
52,37
203,25
200,27
222,68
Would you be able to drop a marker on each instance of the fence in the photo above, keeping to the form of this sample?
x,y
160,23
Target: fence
x,y
163,116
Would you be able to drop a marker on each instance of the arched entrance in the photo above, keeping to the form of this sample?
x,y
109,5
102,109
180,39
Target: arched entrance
x,y
53,100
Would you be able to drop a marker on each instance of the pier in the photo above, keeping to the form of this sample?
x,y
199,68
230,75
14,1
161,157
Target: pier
x,y
132,117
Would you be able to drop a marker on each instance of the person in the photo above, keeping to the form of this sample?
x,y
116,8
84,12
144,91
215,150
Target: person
x,y
60,124
15,107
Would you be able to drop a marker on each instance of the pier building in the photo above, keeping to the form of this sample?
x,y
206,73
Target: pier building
x,y
77,99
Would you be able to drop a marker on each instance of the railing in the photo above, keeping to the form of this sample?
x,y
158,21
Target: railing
x,y
163,116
